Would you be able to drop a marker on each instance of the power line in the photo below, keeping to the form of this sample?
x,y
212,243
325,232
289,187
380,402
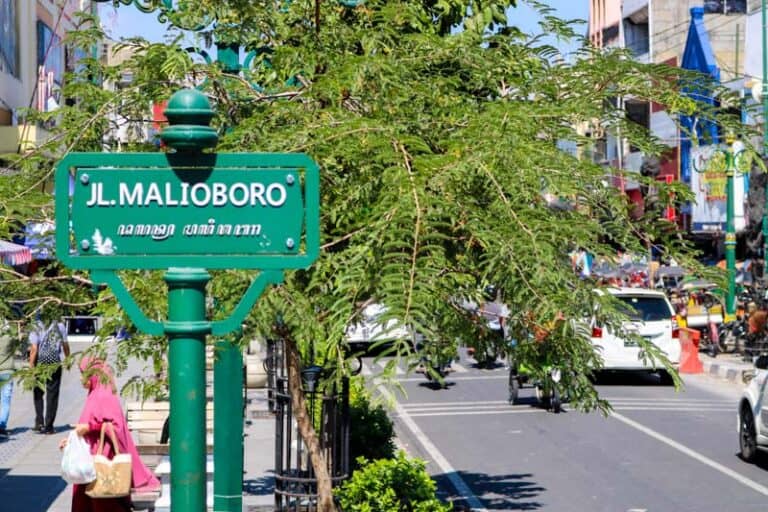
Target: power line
x,y
709,30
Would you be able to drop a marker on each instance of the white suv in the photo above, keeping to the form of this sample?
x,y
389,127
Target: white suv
x,y
753,411
653,318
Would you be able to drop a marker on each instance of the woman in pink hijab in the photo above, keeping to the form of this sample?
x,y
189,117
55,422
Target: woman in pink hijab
x,y
101,406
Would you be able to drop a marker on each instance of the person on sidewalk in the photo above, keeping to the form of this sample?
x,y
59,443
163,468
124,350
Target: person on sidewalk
x,y
47,342
7,352
102,405
494,314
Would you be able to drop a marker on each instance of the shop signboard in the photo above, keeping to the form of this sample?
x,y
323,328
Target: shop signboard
x,y
709,185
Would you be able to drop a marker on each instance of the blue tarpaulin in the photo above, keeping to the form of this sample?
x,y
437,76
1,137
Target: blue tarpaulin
x,y
40,238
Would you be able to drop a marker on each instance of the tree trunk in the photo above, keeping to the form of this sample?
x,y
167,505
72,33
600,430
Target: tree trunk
x,y
307,430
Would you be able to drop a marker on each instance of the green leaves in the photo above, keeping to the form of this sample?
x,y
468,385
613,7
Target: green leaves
x,y
439,131
391,485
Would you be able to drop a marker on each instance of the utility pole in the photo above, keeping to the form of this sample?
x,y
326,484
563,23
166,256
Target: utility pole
x,y
765,140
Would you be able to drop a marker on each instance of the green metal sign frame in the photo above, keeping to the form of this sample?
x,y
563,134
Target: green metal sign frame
x,y
188,211
291,219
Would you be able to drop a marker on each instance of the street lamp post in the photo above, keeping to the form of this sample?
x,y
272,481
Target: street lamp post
x,y
730,228
735,161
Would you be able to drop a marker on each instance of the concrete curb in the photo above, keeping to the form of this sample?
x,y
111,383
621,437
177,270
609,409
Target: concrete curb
x,y
724,369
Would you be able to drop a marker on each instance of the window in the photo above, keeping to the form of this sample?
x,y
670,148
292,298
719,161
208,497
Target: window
x,y
639,113
636,37
647,309
50,52
725,6
72,58
9,38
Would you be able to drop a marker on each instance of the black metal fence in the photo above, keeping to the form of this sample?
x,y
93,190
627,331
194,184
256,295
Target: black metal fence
x,y
295,481
272,364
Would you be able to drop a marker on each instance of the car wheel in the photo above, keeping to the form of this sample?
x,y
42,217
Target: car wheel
x,y
514,388
747,435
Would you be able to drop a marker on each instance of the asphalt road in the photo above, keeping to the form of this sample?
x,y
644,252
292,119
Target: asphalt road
x,y
660,450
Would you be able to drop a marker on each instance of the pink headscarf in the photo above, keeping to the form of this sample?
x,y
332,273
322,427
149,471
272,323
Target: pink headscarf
x,y
103,405
99,374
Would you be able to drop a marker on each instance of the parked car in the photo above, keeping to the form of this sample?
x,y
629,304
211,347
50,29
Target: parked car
x,y
651,316
370,328
753,411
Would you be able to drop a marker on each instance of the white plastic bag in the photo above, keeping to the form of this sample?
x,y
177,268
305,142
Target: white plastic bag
x,y
77,461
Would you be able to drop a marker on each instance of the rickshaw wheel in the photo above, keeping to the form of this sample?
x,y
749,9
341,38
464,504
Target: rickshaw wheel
x,y
514,388
555,401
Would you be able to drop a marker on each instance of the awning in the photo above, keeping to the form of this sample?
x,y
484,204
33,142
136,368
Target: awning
x,y
14,254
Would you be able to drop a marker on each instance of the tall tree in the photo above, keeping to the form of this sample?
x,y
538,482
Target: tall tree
x,y
439,129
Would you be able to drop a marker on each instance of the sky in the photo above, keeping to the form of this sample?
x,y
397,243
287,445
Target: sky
x,y
127,21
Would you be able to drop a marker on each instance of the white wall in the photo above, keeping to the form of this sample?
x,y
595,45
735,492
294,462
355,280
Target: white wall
x,y
17,91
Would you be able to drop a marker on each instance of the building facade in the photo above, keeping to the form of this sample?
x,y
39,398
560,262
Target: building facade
x,y
661,32
33,59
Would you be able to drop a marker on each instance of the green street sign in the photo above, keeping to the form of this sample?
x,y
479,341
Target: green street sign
x,y
162,210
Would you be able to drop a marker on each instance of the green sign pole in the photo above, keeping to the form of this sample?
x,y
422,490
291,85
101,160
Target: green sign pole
x,y
186,329
228,420
187,211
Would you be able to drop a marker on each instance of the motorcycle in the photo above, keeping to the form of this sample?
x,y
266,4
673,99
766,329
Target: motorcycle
x,y
733,335
436,359
547,386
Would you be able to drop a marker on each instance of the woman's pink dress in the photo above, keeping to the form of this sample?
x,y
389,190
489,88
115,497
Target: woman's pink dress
x,y
102,405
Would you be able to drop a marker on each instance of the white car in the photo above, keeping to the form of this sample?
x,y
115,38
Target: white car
x,y
651,317
369,329
82,328
753,411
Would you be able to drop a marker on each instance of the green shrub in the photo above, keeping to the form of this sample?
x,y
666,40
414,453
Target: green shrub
x,y
390,485
371,432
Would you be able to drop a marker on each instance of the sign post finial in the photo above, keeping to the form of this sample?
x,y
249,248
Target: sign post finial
x,y
189,114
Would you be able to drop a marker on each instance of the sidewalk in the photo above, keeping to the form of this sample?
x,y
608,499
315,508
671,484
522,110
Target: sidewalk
x,y
30,478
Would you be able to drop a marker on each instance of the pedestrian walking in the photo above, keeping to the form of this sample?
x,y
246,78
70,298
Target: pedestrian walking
x,y
47,343
494,314
7,352
102,405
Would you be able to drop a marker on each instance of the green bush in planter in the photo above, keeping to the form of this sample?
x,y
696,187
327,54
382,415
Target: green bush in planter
x,y
390,485
371,432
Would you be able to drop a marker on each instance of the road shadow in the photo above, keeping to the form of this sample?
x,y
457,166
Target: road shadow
x,y
18,430
497,492
261,486
761,460
12,433
628,378
31,492
436,386
486,366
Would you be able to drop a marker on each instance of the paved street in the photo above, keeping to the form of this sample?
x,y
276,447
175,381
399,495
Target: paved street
x,y
660,450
